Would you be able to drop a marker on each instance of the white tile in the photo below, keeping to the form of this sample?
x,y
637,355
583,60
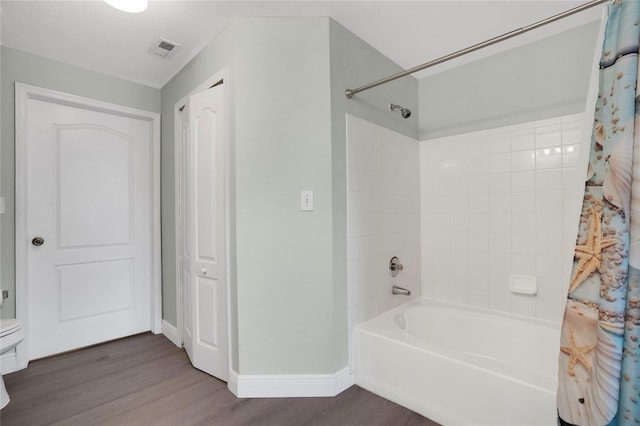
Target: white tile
x,y
440,168
500,203
500,223
499,182
547,136
549,202
549,158
549,223
459,222
570,155
459,294
479,279
500,262
549,245
459,167
569,119
442,259
478,203
500,163
522,139
548,266
441,186
552,288
499,302
523,202
499,143
523,160
570,178
548,179
523,181
526,126
359,292
478,147
523,264
479,184
459,203
479,298
479,222
550,310
499,282
438,148
523,222
499,243
479,241
523,305
571,128
458,185
427,288
459,147
524,244
478,165
553,121
441,292
440,239
459,240
479,260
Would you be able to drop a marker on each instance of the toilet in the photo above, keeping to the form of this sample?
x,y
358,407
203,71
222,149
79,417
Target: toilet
x,y
11,334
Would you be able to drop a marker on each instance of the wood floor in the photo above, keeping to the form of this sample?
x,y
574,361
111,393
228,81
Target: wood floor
x,y
146,380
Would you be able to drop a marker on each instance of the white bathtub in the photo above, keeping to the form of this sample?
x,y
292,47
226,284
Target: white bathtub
x,y
459,365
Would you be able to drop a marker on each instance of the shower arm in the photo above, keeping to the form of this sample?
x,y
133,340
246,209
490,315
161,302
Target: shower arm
x,y
350,92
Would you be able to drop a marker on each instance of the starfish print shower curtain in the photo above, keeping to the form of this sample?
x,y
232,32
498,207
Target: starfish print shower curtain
x,y
599,361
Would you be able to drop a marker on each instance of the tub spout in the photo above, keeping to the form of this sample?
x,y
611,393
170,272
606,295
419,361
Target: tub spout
x,y
399,290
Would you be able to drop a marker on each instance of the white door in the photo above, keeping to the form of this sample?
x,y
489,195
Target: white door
x,y
89,201
204,243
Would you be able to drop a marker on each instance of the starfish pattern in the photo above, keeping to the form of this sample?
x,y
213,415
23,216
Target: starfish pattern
x,y
576,354
589,254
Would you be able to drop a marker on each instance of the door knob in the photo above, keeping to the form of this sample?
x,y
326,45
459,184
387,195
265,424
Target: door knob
x,y
204,271
37,241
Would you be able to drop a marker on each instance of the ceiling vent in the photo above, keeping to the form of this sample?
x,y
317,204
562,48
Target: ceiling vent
x,y
164,48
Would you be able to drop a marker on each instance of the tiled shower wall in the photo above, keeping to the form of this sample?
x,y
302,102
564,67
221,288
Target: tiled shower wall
x,y
496,203
383,203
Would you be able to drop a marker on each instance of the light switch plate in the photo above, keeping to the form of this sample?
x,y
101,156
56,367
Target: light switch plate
x,y
306,201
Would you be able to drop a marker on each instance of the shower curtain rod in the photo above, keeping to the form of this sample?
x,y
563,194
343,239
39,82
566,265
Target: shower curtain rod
x,y
350,92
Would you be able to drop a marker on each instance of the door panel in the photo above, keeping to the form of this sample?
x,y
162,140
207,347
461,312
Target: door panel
x,y
95,288
185,233
95,186
205,284
88,195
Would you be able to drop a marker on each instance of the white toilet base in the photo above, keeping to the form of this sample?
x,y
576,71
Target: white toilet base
x,y
4,396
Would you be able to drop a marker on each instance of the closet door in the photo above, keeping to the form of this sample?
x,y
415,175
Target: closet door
x,y
204,273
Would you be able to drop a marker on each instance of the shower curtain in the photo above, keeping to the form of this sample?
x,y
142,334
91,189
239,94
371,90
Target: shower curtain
x,y
599,360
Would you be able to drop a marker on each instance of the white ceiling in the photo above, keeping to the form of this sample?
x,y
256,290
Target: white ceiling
x,y
93,35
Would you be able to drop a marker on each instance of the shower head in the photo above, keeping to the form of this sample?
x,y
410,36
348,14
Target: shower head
x,y
405,112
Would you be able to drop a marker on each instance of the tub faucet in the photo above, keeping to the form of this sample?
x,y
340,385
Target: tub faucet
x,y
399,290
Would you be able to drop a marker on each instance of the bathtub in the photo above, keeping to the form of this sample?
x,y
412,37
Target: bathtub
x,y
460,365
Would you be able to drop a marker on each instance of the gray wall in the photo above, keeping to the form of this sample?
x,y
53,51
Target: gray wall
x,y
217,55
283,145
287,78
38,71
543,79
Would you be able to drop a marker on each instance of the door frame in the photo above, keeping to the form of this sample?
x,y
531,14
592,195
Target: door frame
x,y
25,92
222,74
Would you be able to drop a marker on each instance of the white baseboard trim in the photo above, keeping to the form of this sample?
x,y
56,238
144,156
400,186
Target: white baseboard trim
x,y
289,385
171,333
